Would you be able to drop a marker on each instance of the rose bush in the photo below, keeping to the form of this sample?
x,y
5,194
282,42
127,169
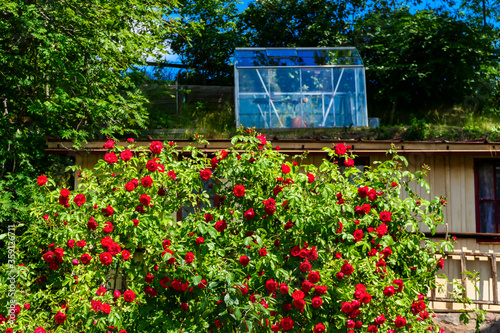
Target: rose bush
x,y
290,247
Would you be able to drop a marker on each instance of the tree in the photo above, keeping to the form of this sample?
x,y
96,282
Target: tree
x,y
328,248
207,40
65,71
287,23
423,61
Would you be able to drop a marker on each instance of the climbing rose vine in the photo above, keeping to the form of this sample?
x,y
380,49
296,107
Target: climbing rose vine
x,y
249,239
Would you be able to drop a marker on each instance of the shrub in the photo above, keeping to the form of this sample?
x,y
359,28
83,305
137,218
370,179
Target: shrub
x,y
287,247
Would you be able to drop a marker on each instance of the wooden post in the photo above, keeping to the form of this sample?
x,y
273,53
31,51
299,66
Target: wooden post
x,y
463,267
494,277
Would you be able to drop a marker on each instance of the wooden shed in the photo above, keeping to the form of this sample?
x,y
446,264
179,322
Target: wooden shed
x,y
467,174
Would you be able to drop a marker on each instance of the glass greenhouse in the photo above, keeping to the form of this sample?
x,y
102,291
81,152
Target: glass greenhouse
x,y
299,87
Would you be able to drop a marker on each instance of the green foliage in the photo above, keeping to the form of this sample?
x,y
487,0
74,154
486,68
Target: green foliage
x,y
286,23
423,61
275,218
207,40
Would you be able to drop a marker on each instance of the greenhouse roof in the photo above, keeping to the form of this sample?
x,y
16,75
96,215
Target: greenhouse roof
x,y
297,57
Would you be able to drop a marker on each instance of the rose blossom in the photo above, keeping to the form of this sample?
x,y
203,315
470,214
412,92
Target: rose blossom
x,y
244,260
146,181
110,158
126,155
313,276
389,291
41,180
316,302
249,214
220,226
287,324
126,255
205,174
400,321
60,317
129,296
340,149
156,147
239,190
85,258
385,216
106,258
79,199
189,257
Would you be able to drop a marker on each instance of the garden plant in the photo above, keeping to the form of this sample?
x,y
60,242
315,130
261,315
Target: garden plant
x,y
266,243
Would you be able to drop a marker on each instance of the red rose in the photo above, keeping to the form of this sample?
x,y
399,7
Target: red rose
x,y
316,302
363,191
400,321
60,317
271,285
287,307
307,285
249,214
285,168
305,266
49,257
92,224
108,211
106,258
287,324
213,162
81,243
202,284
263,252
64,201
129,296
262,138
126,255
349,162
136,222
244,260
385,216
208,217
380,320
151,166
199,240
79,199
205,174
108,227
274,328
145,199
269,206
70,243
146,181
65,192
347,268
149,278
110,158
130,186
239,190
283,288
171,174
440,263
156,147
101,291
386,252
372,329
346,307
166,243
313,276
365,298
340,149
114,249
299,304
311,177
381,230
95,305
398,283
312,254
41,180
189,257
184,306
117,294
319,328
106,308
220,226
126,155
389,291
298,294
358,235
108,144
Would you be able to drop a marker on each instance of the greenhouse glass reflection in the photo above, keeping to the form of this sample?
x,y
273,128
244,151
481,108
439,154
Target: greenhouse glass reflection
x,y
300,87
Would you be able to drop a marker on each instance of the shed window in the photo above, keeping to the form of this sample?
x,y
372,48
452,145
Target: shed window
x,y
487,174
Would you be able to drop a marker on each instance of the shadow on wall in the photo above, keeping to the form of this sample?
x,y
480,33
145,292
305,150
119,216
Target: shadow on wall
x,y
450,322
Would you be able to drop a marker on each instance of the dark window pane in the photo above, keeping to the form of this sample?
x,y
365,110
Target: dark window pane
x,y
486,175
487,215
498,181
